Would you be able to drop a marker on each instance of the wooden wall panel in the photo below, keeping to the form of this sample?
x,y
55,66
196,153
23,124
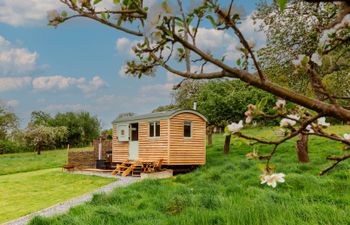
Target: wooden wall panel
x,y
153,148
171,146
187,151
120,150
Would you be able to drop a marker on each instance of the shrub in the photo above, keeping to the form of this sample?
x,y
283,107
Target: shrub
x,y
7,146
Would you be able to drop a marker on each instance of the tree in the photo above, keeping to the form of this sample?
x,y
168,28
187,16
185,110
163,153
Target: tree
x,y
171,29
40,118
82,127
165,108
222,101
158,24
293,32
126,114
44,137
8,122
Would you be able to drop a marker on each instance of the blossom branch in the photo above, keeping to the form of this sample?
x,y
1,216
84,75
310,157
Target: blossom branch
x,y
337,161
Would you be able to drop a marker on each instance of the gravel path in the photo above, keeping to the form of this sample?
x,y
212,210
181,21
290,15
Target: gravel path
x,y
65,206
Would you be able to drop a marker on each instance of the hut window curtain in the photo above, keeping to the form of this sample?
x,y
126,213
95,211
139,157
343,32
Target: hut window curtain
x,y
154,129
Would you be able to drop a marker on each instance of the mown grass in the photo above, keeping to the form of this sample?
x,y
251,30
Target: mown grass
x,y
227,191
31,161
24,193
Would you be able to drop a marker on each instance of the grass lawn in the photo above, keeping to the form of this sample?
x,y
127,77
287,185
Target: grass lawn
x,y
31,161
24,193
227,190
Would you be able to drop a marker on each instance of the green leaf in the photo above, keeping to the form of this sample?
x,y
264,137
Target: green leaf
x,y
64,14
282,4
103,15
97,1
179,24
260,106
238,62
212,21
116,1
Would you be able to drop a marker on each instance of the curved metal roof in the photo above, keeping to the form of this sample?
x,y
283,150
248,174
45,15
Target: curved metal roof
x,y
157,115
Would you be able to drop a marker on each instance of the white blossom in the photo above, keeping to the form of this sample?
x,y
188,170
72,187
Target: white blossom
x,y
249,113
156,14
290,121
316,58
272,179
280,103
252,43
322,122
52,14
248,119
309,129
346,137
235,127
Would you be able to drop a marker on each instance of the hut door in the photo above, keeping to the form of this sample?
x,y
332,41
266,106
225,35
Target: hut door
x,y
134,141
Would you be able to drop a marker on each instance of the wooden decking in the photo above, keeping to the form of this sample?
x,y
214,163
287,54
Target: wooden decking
x,y
136,167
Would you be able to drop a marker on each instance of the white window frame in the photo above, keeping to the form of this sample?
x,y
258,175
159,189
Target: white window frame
x,y
154,130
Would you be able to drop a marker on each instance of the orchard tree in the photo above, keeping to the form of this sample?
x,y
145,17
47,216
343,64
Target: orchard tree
x,y
223,101
295,32
8,122
82,127
169,32
43,137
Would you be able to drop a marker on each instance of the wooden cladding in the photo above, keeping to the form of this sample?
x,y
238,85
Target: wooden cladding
x,y
171,145
187,150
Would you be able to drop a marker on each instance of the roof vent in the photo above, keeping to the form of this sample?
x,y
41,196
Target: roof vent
x,y
194,105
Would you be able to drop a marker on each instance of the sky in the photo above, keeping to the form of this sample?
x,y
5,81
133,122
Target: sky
x,y
78,66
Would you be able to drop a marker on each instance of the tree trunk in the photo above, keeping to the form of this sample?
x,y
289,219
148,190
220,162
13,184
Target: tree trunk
x,y
210,135
302,148
227,144
39,150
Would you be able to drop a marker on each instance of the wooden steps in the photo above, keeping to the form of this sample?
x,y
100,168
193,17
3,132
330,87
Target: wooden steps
x,y
135,168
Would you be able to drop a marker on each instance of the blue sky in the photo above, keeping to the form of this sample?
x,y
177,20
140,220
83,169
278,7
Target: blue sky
x,y
78,66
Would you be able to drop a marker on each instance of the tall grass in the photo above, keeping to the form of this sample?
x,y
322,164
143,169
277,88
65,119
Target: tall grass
x,y
227,191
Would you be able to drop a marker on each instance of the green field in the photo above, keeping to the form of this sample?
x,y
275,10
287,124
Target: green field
x,y
23,192
30,161
227,190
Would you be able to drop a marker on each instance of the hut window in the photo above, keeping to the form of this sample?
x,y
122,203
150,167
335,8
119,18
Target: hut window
x,y
187,129
154,129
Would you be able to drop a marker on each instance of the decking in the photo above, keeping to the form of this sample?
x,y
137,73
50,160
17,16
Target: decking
x,y
136,167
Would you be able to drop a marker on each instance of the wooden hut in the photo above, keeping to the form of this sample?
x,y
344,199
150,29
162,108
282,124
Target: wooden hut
x,y
174,137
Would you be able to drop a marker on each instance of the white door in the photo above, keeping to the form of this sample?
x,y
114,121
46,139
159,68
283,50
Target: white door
x,y
133,150
134,142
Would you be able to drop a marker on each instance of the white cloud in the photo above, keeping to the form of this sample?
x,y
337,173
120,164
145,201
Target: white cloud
x,y
24,12
53,83
92,86
157,89
15,60
122,71
252,35
46,83
13,83
251,31
209,39
9,103
124,46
